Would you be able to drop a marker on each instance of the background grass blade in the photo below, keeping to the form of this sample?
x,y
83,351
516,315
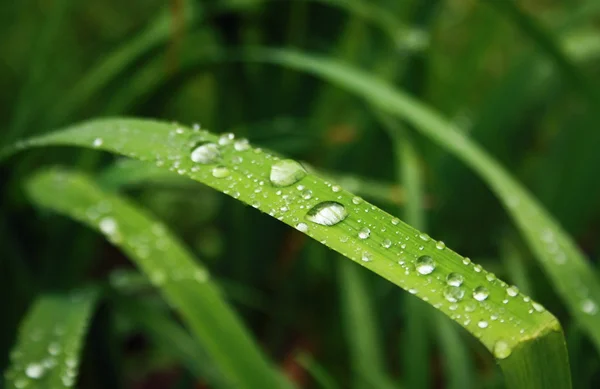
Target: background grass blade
x,y
184,283
361,329
47,352
507,323
559,256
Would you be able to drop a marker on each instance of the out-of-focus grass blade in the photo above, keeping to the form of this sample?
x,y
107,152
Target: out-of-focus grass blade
x,y
321,377
560,257
508,323
51,336
550,46
110,67
361,330
172,338
184,283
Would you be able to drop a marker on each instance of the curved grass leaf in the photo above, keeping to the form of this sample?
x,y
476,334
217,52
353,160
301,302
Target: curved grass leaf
x,y
172,338
507,323
184,283
50,339
560,257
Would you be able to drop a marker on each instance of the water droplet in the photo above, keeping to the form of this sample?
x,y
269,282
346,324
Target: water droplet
x,y
440,245
501,349
307,194
589,306
327,213
512,291
477,268
537,306
482,324
98,142
466,261
367,257
454,293
455,279
480,293
34,370
336,188
220,172
364,233
54,349
356,200
490,277
108,226
386,243
425,264
205,153
303,227
424,237
241,144
395,221
226,139
286,172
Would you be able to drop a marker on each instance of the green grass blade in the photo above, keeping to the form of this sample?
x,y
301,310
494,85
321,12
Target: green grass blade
x,y
319,374
559,256
168,335
184,283
361,329
501,322
51,336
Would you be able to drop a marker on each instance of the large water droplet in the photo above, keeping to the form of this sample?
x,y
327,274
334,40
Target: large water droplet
x,y
502,349
480,293
205,153
454,293
455,279
425,264
286,172
327,213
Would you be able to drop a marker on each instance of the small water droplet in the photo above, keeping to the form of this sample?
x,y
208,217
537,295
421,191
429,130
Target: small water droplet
x,y
307,194
356,200
241,144
386,243
367,257
466,260
425,265
108,226
54,349
480,293
455,279
424,237
440,245
364,233
395,221
205,153
490,277
502,349
327,213
537,306
286,172
34,370
220,172
226,139
336,188
303,227
98,142
482,324
512,291
589,307
454,293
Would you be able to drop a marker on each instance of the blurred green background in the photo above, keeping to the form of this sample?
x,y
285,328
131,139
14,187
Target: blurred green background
x,y
520,77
